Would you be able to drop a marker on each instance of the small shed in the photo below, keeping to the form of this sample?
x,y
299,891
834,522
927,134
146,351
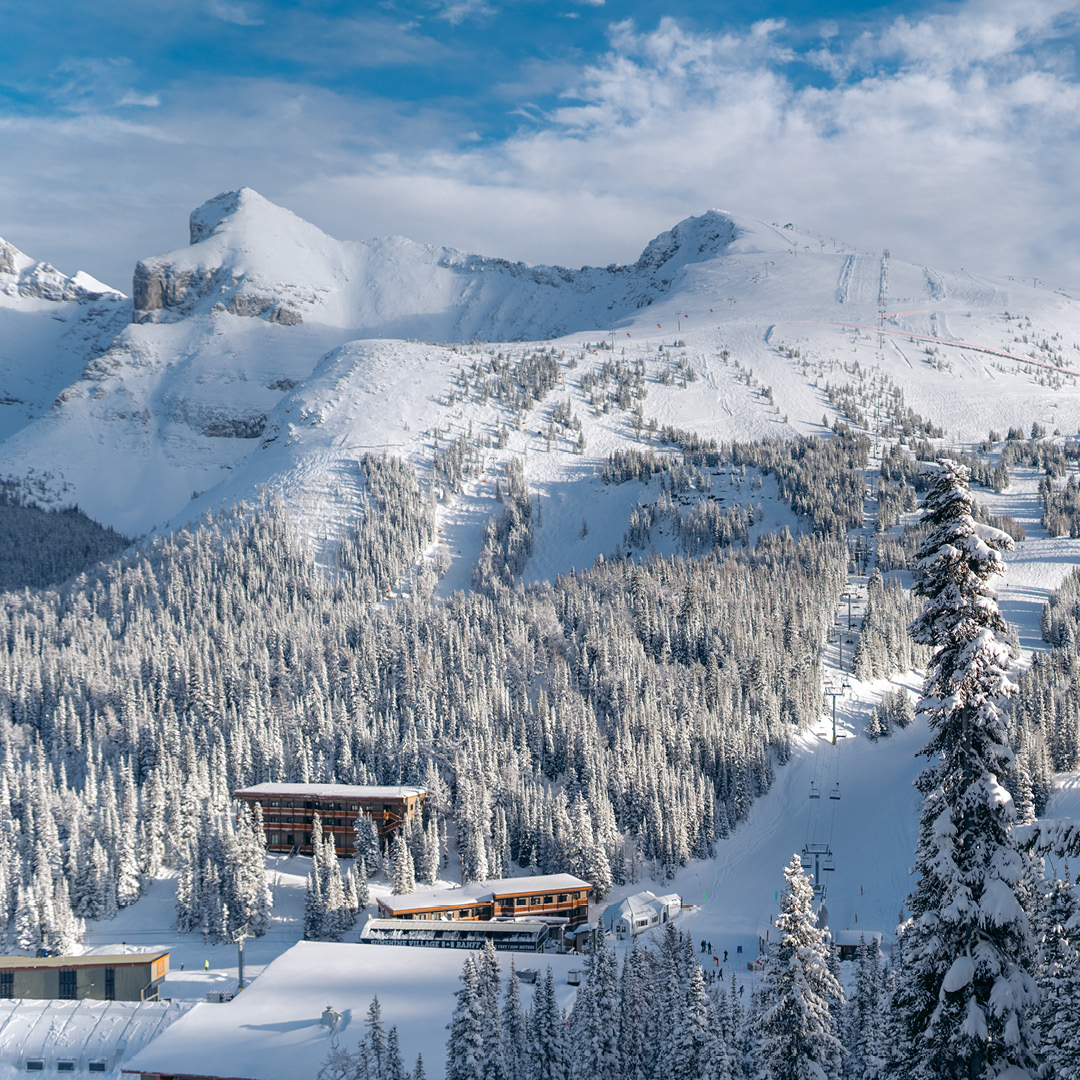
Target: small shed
x,y
640,912
846,942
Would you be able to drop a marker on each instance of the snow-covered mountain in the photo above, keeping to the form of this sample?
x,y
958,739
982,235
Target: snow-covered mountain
x,y
49,324
266,352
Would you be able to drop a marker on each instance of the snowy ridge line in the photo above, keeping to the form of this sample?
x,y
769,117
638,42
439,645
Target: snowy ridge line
x,y
942,341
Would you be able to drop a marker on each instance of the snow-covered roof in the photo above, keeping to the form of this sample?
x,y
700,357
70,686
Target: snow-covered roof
x,y
853,937
333,791
483,892
80,1031
274,1029
640,904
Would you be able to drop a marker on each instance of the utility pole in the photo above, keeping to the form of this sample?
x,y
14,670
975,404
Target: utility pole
x,y
239,936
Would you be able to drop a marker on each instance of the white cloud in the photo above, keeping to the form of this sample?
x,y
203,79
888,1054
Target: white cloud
x,y
146,101
241,14
458,11
952,140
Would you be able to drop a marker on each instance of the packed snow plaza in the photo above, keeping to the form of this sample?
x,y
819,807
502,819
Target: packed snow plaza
x,y
288,811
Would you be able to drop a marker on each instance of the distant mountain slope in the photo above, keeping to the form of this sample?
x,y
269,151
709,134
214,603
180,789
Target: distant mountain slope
x,y
269,352
49,325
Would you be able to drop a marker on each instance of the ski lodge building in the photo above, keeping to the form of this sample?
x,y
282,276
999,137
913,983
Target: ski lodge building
x,y
288,812
561,896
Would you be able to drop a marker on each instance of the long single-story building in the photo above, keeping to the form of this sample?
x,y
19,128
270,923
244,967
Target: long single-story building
x,y
513,935
130,976
288,811
558,895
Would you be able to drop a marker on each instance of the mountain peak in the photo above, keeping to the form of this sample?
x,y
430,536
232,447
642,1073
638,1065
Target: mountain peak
x,y
21,275
691,240
247,213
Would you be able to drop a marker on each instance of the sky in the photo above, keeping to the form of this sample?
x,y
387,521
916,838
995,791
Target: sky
x,y
553,131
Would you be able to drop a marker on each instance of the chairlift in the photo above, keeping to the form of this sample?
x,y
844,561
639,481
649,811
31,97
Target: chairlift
x,y
806,861
828,863
835,792
814,793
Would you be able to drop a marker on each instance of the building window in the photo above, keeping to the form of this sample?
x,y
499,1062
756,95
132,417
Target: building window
x,y
68,984
521,901
547,899
65,1066
562,898
110,984
7,984
275,838
464,913
35,1065
275,802
96,1066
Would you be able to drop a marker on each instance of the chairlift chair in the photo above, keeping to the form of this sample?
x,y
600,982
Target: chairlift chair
x,y
814,792
834,793
828,864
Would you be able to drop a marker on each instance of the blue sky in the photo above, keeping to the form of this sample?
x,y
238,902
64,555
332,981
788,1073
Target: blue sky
x,y
568,132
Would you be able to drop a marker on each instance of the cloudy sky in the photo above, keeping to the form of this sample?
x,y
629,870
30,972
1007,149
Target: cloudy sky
x,y
567,131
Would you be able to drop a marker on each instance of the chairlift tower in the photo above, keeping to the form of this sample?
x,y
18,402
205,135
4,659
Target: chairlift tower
x,y
819,858
834,691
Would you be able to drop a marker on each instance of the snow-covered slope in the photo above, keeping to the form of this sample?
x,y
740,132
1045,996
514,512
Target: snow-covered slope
x,y
50,324
266,352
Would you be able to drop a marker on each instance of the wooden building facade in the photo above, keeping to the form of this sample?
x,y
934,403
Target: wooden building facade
x,y
552,895
94,977
288,812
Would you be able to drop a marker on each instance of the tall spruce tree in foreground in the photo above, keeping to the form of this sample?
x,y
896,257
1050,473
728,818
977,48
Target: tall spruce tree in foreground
x,y
797,1031
966,998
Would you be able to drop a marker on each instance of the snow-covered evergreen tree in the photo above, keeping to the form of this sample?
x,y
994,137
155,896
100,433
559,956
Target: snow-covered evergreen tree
x,y
635,1033
367,843
863,1016
401,861
1058,976
966,995
465,1047
797,1037
548,1053
513,1026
